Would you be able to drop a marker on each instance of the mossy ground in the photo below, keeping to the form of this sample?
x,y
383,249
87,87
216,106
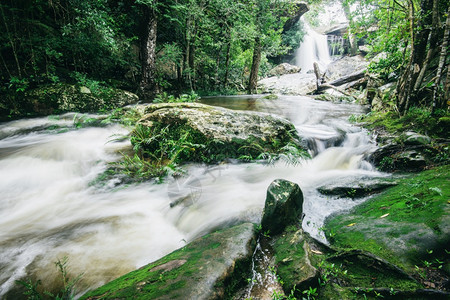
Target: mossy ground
x,y
406,225
416,119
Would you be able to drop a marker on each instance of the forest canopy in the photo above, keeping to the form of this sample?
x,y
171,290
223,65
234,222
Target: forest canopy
x,y
214,46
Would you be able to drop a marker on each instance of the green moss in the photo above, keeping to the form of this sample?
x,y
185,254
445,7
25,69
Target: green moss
x,y
413,213
416,119
290,258
175,274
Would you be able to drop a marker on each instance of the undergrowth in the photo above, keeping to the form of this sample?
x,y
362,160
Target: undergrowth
x,y
421,120
66,292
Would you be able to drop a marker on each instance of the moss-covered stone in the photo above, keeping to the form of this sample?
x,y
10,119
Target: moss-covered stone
x,y
61,97
407,225
220,133
208,268
292,258
283,206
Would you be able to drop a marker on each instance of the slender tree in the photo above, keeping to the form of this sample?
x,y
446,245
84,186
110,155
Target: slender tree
x,y
148,86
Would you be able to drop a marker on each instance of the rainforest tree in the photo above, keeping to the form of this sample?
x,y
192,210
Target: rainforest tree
x,y
411,40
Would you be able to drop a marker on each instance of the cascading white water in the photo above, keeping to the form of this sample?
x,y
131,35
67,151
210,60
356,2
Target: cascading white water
x,y
336,44
313,48
49,209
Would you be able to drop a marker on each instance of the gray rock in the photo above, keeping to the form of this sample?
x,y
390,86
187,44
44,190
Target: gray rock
x,y
396,157
413,138
224,131
283,207
356,190
345,66
303,84
203,269
381,92
283,69
85,90
289,84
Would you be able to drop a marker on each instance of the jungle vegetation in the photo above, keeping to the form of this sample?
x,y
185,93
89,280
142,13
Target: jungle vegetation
x,y
214,46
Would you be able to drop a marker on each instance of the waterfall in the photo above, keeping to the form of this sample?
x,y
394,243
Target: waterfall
x,y
313,48
336,44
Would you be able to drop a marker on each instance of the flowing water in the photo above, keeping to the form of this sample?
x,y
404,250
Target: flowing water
x,y
50,209
313,48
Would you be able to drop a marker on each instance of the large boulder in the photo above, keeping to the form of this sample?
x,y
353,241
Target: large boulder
x,y
288,84
208,268
345,66
283,207
222,133
283,69
403,158
407,225
62,97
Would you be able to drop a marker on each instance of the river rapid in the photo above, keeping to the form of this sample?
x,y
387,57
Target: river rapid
x,y
49,208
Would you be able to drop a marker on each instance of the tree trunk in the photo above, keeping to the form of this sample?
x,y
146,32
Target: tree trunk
x,y
444,53
227,65
351,36
253,81
216,75
406,95
447,87
148,87
11,42
192,63
432,41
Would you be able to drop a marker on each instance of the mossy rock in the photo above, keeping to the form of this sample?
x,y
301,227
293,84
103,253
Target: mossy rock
x,y
221,133
211,267
292,258
407,225
62,97
353,190
283,206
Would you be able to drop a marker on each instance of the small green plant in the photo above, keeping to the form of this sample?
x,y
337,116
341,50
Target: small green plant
x,y
166,98
311,293
421,272
351,193
355,118
266,233
386,164
329,271
67,291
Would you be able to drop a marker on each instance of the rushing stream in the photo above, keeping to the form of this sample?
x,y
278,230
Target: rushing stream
x,y
50,209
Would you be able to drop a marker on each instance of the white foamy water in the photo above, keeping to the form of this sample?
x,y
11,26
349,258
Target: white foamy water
x,y
49,208
313,48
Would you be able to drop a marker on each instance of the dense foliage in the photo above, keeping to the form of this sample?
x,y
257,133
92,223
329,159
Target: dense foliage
x,y
409,43
198,45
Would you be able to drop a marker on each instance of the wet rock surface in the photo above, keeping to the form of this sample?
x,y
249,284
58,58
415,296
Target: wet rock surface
x,y
408,228
283,207
204,269
356,189
305,83
283,69
223,133
63,97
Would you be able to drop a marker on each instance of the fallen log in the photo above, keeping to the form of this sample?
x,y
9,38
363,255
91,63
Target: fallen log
x,y
321,85
325,86
349,78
